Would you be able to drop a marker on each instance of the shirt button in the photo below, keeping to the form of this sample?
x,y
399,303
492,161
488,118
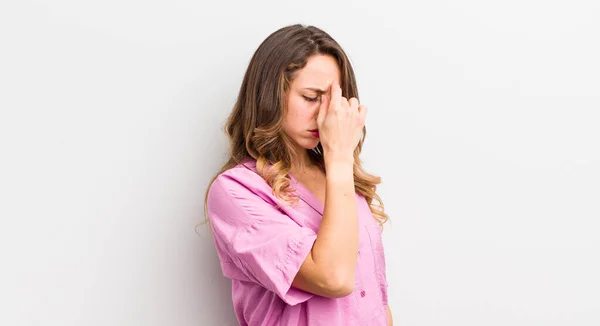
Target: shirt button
x,y
362,293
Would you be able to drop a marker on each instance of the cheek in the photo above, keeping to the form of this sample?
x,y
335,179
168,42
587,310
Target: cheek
x,y
299,111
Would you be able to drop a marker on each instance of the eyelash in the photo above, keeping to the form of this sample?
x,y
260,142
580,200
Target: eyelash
x,y
310,99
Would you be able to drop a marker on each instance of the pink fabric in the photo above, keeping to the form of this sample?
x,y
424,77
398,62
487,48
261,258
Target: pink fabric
x,y
261,248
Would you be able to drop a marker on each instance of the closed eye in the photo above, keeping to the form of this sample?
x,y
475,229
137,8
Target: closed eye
x,y
310,99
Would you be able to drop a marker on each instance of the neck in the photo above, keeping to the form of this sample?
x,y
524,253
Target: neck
x,y
302,162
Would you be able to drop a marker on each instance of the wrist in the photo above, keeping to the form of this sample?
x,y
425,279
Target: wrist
x,y
338,159
340,169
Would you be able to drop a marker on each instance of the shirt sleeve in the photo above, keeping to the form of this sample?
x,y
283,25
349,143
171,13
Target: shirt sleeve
x,y
265,244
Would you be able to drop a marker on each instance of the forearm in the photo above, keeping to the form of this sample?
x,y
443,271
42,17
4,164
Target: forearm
x,y
336,247
389,314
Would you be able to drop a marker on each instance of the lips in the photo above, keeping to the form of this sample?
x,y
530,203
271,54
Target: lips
x,y
314,132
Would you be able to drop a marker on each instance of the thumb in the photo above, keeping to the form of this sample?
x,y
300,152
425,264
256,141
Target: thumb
x,y
323,108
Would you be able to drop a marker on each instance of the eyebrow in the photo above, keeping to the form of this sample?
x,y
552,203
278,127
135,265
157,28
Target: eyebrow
x,y
318,90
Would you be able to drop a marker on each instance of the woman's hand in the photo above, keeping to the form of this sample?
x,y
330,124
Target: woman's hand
x,y
340,122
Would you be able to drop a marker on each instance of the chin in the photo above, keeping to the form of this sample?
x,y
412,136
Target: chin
x,y
308,144
313,145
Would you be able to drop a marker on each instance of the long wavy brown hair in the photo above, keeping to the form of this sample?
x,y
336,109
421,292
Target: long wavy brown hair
x,y
254,127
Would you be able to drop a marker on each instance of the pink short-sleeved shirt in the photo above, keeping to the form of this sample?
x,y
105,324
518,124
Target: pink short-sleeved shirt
x,y
262,242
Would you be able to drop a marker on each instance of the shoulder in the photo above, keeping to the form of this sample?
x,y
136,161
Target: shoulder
x,y
239,182
241,175
238,197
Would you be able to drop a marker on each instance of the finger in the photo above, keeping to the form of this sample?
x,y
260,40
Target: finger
x,y
323,108
362,113
336,95
345,104
353,102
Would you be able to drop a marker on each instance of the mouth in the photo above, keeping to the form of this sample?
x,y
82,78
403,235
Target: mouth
x,y
314,133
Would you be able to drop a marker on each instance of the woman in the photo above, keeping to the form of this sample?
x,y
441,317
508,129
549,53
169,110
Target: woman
x,y
293,214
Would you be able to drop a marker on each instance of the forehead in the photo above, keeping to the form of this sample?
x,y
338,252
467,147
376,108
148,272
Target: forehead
x,y
320,71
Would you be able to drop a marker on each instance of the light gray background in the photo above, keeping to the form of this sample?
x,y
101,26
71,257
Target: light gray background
x,y
484,124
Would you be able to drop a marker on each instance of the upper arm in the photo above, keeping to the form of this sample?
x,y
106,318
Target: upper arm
x,y
267,245
264,243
